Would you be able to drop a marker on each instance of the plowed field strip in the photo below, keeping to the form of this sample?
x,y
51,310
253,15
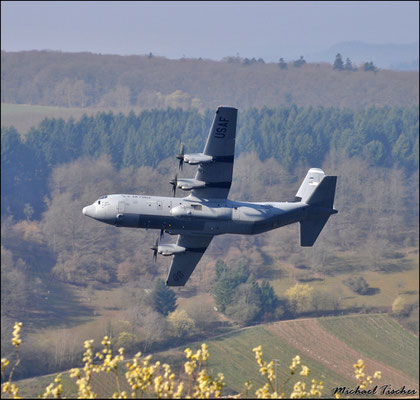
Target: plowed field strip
x,y
308,337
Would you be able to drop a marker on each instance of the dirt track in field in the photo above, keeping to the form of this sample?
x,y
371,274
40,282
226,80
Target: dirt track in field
x,y
309,338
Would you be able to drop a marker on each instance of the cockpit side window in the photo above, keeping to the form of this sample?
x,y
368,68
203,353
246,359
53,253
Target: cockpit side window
x,y
197,207
99,202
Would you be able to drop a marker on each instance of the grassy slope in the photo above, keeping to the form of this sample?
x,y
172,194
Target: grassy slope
x,y
90,313
24,116
390,285
373,336
107,305
233,356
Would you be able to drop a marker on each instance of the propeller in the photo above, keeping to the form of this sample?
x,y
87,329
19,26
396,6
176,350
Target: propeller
x,y
155,249
162,232
174,183
180,157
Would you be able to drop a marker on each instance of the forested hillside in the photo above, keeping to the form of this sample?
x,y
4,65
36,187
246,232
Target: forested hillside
x,y
70,278
94,80
293,136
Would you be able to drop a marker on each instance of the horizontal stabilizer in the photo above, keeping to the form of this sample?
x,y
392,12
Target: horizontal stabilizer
x,y
310,230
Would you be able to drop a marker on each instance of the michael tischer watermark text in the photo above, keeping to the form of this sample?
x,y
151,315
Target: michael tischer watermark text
x,y
387,390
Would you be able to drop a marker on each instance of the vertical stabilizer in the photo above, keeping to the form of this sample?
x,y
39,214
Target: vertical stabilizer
x,y
324,193
318,192
309,184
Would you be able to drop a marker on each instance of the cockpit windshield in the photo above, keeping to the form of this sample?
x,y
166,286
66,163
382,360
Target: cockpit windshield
x,y
103,197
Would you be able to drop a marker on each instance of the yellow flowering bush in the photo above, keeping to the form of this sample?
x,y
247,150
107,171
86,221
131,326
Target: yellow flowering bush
x,y
8,386
359,373
147,379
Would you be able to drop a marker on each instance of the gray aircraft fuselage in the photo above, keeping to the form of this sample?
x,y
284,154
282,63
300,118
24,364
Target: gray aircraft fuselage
x,y
189,214
207,212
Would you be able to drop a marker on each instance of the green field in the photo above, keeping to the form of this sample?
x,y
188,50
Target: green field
x,y
371,337
25,116
232,355
380,338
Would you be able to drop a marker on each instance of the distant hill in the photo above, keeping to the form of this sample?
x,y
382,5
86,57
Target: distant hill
x,y
86,80
407,66
389,56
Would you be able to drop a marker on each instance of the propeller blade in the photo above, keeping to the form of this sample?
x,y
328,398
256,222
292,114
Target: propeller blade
x,y
155,249
180,157
174,183
162,232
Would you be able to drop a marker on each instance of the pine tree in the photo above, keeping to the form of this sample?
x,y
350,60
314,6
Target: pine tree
x,y
369,66
299,63
163,299
282,64
226,282
338,63
348,66
269,300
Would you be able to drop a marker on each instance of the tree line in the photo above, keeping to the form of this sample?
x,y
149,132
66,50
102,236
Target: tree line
x,y
293,136
93,80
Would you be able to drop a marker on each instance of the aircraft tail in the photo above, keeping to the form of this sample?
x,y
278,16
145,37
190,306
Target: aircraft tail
x,y
323,195
318,191
310,230
309,184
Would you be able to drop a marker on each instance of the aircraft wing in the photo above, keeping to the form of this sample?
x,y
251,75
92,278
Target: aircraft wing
x,y
221,146
183,264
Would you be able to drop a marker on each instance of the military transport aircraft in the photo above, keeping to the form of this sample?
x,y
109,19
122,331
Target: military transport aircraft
x,y
207,212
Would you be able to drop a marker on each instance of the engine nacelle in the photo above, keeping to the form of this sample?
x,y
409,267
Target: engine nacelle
x,y
170,249
189,184
197,158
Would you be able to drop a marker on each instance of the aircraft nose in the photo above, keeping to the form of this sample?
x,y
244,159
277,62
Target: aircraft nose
x,y
89,211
